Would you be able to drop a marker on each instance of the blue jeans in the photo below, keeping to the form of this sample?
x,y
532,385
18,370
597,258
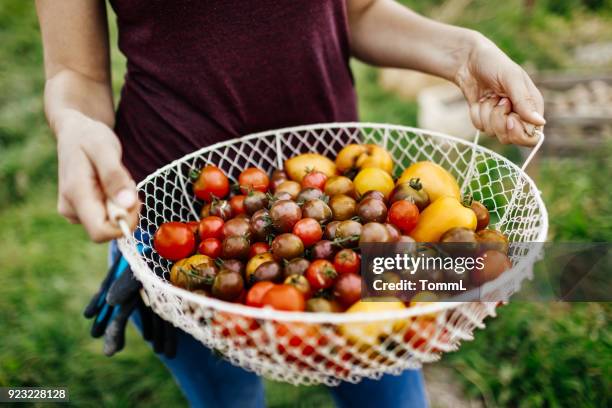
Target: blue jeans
x,y
208,381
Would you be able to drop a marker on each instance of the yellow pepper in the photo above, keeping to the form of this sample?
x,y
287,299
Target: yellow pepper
x,y
440,216
371,333
436,181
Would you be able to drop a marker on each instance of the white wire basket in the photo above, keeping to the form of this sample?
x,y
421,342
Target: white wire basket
x,y
313,348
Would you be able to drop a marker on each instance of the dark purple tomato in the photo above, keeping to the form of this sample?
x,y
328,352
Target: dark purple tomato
x,y
236,227
228,285
317,209
330,230
343,207
236,247
254,201
374,232
296,266
261,225
284,215
372,210
348,233
309,193
373,194
323,250
221,209
287,246
233,265
268,271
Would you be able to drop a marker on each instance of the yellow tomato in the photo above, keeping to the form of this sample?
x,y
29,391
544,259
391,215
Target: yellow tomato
x,y
361,156
440,216
297,167
373,179
371,333
254,263
436,181
185,273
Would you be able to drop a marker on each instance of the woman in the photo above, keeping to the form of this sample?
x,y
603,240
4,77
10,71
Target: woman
x,y
202,71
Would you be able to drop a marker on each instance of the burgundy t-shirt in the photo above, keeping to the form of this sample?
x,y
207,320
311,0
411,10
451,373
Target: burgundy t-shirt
x,y
202,71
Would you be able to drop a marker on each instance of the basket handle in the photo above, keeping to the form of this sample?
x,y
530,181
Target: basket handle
x,y
532,131
118,216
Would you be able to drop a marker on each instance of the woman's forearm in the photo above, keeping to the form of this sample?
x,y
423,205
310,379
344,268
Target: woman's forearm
x,y
385,33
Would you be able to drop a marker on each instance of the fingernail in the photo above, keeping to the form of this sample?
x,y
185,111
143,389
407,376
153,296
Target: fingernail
x,y
125,198
510,124
502,102
538,117
484,98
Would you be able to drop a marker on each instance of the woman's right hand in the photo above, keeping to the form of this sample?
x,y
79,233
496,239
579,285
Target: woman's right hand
x,y
90,173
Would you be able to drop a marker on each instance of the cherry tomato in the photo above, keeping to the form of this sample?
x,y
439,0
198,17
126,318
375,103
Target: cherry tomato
x,y
258,248
321,274
194,225
221,209
236,227
210,247
255,295
211,182
494,264
228,285
284,297
253,179
309,231
300,283
404,215
174,240
284,214
347,289
211,227
237,205
347,261
482,215
315,179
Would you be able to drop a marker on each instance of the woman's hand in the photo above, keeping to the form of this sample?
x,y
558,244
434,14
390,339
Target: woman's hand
x,y
503,100
90,173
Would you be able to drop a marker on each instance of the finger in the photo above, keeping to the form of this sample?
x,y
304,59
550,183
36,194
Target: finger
x,y
486,107
517,133
66,210
526,99
475,116
88,201
498,119
116,182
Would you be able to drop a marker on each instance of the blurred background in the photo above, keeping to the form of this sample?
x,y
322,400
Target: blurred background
x,y
531,355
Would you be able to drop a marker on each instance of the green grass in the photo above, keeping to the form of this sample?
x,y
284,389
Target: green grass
x,y
554,355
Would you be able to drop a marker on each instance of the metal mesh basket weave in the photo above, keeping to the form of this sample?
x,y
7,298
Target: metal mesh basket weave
x,y
310,348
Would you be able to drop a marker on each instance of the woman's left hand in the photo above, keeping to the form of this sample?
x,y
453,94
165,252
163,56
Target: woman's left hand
x,y
503,100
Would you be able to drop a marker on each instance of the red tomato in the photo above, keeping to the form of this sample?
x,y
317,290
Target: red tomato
x,y
253,179
193,225
308,230
284,297
174,240
347,261
210,247
211,182
255,295
314,179
211,227
258,248
404,215
321,274
237,205
348,289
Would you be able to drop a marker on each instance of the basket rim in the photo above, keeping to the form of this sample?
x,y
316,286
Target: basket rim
x,y
308,317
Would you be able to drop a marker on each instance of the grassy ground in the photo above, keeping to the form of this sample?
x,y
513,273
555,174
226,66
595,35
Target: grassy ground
x,y
555,355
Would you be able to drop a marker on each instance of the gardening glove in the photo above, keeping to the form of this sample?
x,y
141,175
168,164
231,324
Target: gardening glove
x,y
116,300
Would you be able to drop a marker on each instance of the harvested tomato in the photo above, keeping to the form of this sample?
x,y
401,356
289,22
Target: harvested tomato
x,y
255,295
347,289
221,209
174,240
404,215
211,183
210,247
253,179
258,248
321,274
315,179
211,227
236,227
494,263
347,261
237,205
300,283
309,231
228,285
284,297
194,225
